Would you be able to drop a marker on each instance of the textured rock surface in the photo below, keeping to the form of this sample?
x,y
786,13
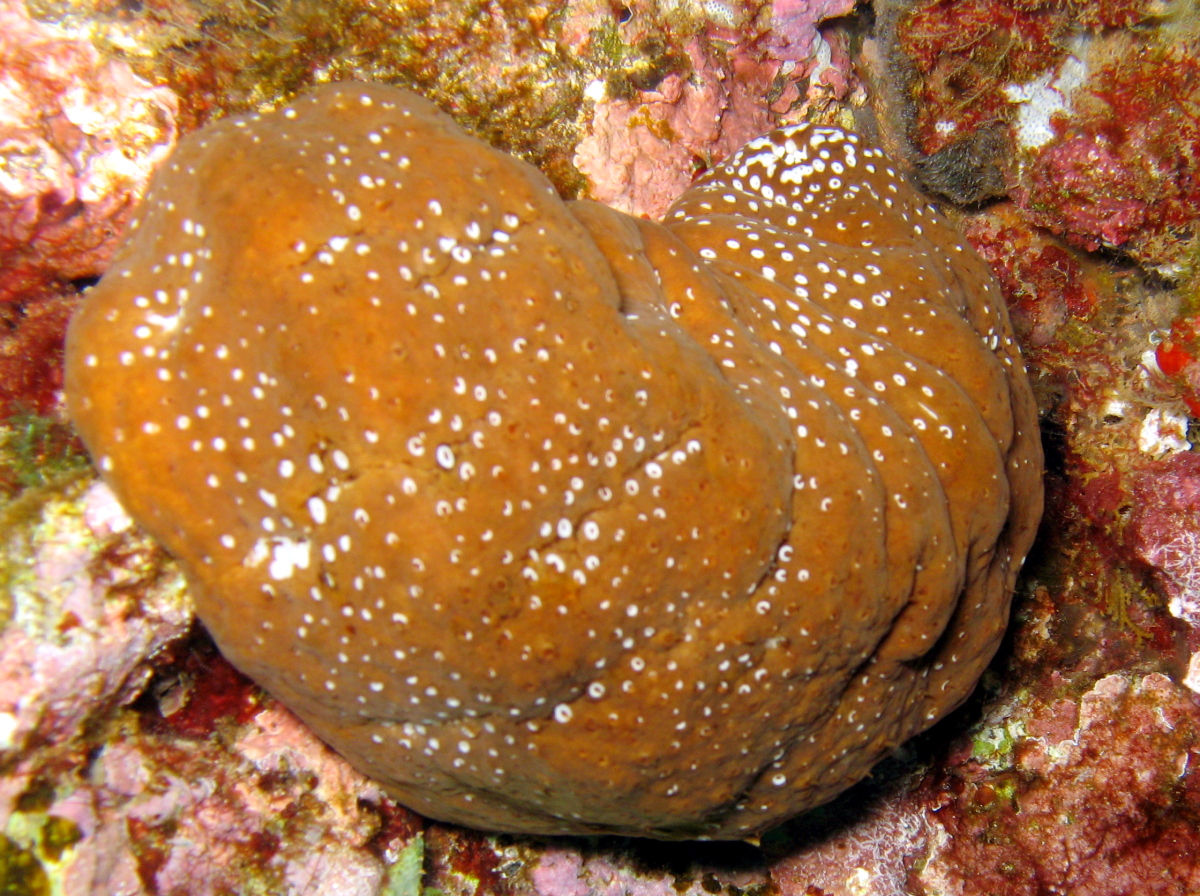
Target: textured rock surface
x,y
79,137
484,485
1130,737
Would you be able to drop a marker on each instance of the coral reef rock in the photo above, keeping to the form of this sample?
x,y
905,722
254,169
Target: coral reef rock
x,y
81,137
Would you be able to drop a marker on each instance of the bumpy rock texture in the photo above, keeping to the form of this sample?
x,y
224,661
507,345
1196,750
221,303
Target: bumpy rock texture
x,y
548,518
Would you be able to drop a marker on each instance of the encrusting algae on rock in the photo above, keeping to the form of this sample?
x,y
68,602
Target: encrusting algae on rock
x,y
551,519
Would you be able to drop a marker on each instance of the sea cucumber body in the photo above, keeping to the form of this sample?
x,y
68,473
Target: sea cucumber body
x,y
550,519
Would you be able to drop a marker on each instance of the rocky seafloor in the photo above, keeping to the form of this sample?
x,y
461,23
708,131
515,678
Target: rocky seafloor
x,y
1064,139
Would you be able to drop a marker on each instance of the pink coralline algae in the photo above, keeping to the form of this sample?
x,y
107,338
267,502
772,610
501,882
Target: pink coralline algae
x,y
215,819
641,153
872,854
77,637
1163,530
794,36
1101,800
569,870
1044,282
1092,795
79,138
1096,199
206,818
75,647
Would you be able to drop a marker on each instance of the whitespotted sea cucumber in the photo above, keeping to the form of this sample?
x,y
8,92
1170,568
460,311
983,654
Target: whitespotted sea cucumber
x,y
554,520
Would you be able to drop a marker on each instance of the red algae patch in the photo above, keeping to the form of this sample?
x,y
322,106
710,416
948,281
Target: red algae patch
x,y
553,520
81,137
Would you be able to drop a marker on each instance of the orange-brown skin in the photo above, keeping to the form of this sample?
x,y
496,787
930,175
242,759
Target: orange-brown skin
x,y
554,520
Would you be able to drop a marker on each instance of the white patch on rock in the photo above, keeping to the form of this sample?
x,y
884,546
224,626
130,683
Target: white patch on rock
x,y
8,730
1192,679
1115,408
103,513
1043,97
1163,433
1179,559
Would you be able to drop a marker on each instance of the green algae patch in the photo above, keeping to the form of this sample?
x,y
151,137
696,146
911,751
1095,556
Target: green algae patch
x,y
21,872
35,452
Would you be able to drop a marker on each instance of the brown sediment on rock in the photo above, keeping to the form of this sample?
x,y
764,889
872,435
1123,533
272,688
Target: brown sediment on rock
x,y
551,519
